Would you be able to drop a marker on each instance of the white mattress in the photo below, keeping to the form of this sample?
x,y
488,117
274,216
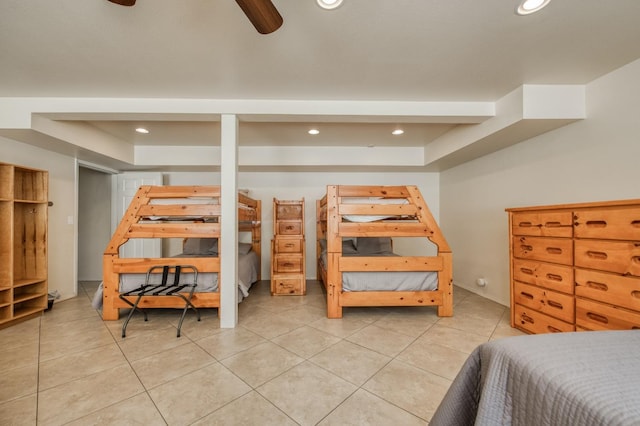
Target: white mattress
x,y
370,200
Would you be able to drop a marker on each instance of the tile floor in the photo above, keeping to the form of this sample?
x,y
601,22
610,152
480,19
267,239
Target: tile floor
x,y
285,363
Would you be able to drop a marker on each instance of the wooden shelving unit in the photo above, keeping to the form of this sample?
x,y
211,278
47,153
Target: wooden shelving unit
x,y
288,248
23,246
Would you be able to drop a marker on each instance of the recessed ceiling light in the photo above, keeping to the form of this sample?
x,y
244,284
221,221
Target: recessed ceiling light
x,y
142,130
314,131
531,6
329,4
397,132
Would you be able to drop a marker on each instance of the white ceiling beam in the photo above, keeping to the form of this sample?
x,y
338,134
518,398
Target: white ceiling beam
x,y
524,113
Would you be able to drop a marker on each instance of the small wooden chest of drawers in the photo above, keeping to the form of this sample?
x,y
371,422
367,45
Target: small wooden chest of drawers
x,y
288,248
575,267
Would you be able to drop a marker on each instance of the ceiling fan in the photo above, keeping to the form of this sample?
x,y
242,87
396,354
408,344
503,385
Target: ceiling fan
x,y
262,13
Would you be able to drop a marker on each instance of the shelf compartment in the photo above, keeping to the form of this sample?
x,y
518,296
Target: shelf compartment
x,y
27,281
6,252
28,292
5,313
30,307
6,179
30,184
29,241
5,296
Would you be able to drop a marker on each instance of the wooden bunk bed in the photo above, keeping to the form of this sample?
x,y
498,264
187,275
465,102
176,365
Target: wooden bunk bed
x,y
189,213
362,212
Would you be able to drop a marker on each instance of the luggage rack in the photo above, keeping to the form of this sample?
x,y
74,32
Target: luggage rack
x,y
165,288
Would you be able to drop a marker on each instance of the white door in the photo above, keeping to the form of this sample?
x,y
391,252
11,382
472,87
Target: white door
x,y
125,189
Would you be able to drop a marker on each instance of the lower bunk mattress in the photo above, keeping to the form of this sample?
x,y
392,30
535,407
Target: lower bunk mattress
x,y
248,265
386,281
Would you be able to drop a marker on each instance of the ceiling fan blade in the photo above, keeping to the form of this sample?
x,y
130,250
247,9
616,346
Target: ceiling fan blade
x,y
262,14
124,2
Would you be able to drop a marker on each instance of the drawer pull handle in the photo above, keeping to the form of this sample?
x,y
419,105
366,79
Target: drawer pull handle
x,y
553,329
554,250
597,286
635,259
287,264
526,271
527,295
554,277
555,304
600,255
289,227
552,224
597,317
526,318
525,224
597,223
288,245
525,247
635,223
636,294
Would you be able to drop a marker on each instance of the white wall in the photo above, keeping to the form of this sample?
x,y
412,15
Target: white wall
x,y
593,160
62,192
312,186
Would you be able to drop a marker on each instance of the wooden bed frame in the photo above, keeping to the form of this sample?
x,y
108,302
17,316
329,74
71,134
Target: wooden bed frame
x,y
416,221
140,221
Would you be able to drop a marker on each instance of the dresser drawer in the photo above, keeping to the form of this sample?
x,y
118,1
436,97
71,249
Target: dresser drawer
x,y
598,316
620,223
609,288
535,322
622,257
557,305
289,211
547,275
289,228
287,263
555,250
288,284
543,224
288,245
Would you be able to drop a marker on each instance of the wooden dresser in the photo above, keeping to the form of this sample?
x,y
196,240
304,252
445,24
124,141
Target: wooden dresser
x,y
288,248
575,266
23,243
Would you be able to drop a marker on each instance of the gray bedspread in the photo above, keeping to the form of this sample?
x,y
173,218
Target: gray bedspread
x,y
581,378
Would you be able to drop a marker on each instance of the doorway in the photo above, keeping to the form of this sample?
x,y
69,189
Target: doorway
x,y
94,221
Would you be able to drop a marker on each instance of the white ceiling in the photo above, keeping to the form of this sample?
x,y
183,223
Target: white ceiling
x,y
367,50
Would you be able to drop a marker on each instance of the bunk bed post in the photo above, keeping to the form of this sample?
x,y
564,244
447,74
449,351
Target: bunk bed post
x,y
334,286
256,233
445,285
109,289
334,252
319,235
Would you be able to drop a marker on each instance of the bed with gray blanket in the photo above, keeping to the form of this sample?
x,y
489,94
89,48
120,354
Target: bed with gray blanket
x,y
248,272
379,281
580,378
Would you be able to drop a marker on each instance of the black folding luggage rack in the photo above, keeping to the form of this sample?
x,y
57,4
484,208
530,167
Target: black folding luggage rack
x,y
175,289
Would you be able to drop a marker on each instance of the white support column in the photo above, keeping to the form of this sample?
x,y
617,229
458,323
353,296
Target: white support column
x,y
229,221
